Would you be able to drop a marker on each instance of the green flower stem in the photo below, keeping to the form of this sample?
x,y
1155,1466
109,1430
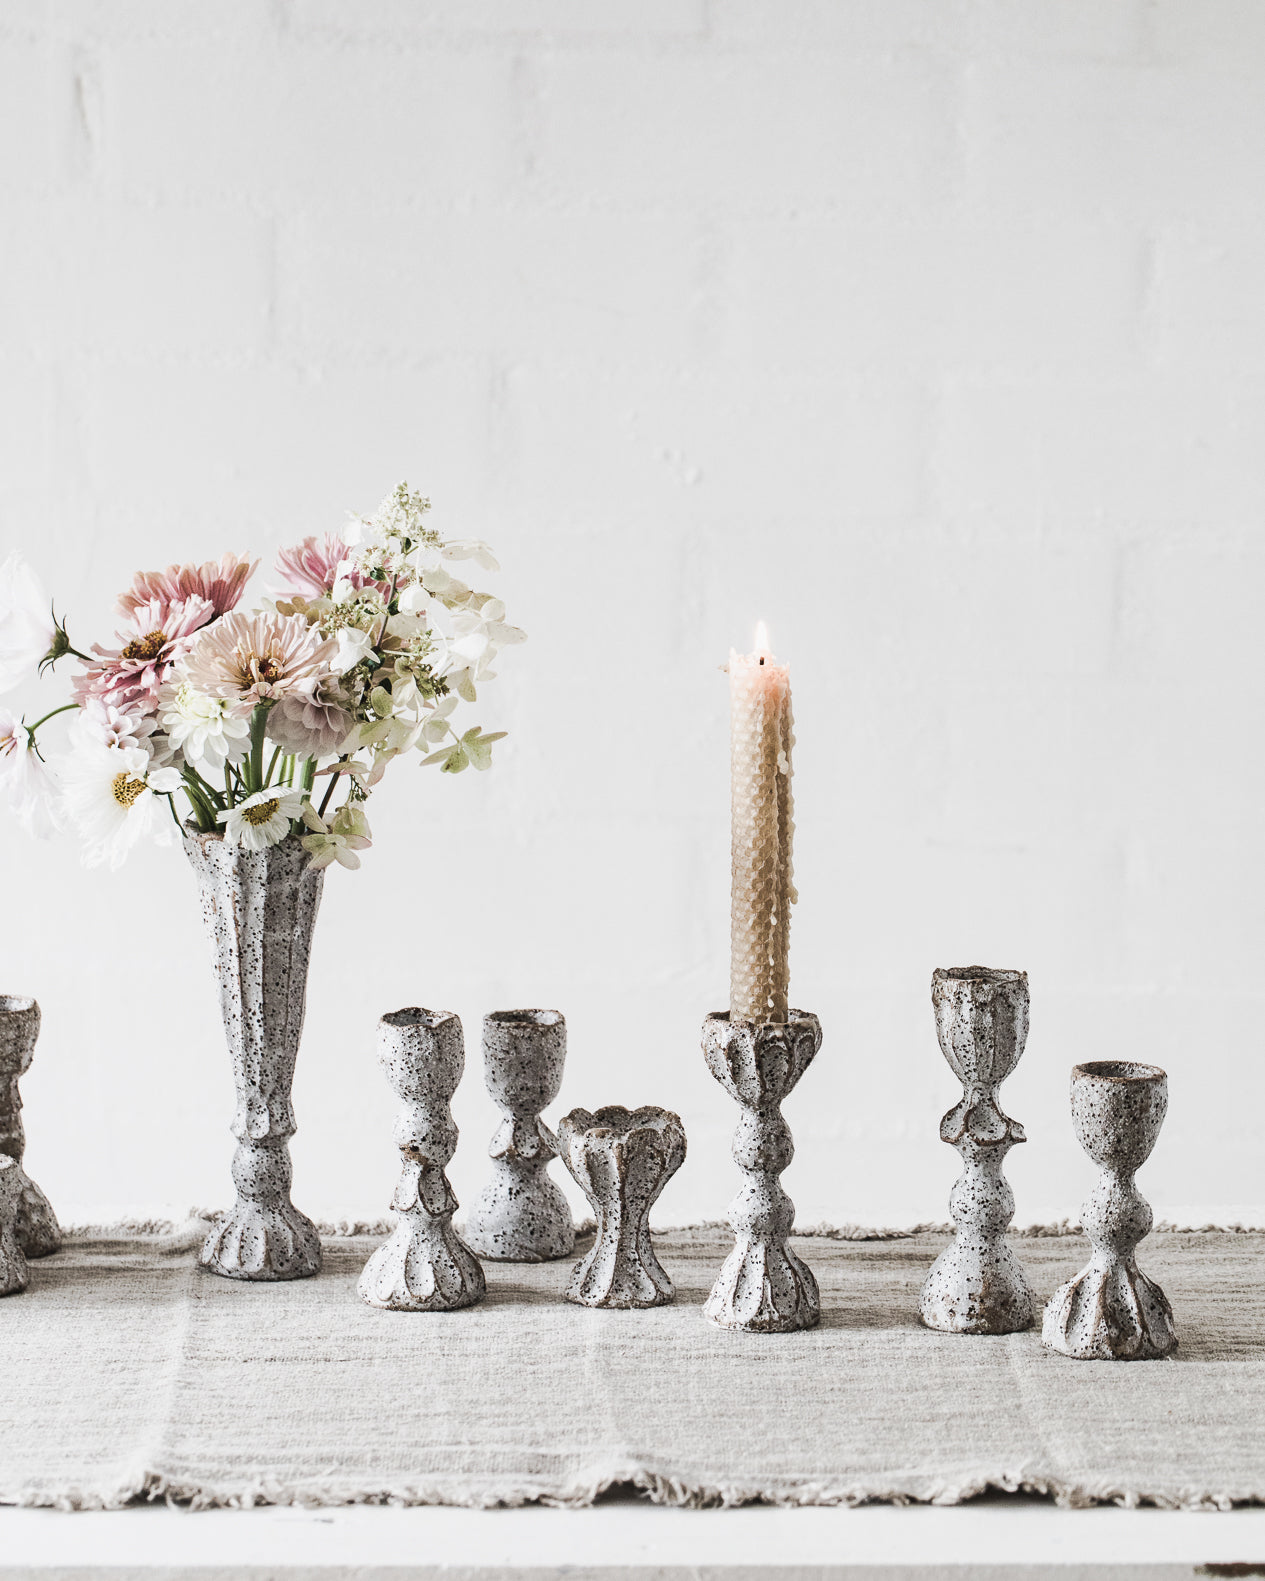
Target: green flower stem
x,y
309,775
31,729
255,765
333,780
202,808
272,763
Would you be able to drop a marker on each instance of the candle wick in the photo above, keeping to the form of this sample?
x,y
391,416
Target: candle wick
x,y
761,658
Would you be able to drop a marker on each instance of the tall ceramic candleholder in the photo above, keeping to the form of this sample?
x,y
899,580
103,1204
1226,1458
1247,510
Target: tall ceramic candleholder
x,y
621,1160
35,1223
13,1273
521,1216
763,1288
976,1285
424,1266
1111,1311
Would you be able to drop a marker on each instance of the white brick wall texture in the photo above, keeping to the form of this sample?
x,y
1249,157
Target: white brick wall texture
x,y
930,331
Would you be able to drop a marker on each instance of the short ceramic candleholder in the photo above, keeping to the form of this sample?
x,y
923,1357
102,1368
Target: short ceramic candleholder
x,y
1111,1311
763,1288
521,1216
976,1285
35,1225
424,1266
13,1273
621,1160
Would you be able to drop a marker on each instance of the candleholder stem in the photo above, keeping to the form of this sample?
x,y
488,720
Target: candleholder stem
x,y
521,1216
424,1266
1111,1311
764,1287
976,1285
34,1222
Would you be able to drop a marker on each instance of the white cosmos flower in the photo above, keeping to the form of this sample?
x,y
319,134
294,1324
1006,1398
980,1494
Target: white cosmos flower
x,y
26,622
112,795
26,781
262,819
209,730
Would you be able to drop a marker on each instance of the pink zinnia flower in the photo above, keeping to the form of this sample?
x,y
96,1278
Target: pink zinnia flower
x,y
220,585
259,658
128,677
311,567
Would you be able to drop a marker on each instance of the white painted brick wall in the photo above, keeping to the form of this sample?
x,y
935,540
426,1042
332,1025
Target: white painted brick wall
x,y
932,331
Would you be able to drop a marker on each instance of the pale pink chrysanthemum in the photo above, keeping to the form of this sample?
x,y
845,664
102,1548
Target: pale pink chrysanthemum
x,y
128,677
219,584
258,658
311,725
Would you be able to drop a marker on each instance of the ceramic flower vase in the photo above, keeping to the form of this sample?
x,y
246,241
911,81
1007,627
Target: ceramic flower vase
x,y
34,1222
520,1216
13,1274
1111,1311
976,1285
259,908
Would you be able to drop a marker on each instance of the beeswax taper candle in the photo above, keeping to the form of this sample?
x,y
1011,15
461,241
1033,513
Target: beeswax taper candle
x,y
760,741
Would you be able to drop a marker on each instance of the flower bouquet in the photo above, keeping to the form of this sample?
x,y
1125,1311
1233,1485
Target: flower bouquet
x,y
270,730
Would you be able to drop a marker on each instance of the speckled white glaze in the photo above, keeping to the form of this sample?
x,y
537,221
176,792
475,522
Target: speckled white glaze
x,y
1111,1311
621,1159
976,1285
521,1216
259,908
424,1265
13,1270
764,1287
35,1223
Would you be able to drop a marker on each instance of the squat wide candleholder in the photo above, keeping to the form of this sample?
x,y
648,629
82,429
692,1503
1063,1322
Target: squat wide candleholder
x,y
1111,1311
621,1159
425,1266
34,1222
763,1288
520,1216
976,1285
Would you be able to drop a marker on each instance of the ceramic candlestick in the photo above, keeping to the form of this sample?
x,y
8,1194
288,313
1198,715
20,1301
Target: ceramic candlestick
x,y
621,1160
763,1288
1111,1311
259,908
13,1273
521,1216
976,1285
424,1266
35,1223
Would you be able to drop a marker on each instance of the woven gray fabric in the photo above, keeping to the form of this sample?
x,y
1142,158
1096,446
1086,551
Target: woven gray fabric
x,y
129,1371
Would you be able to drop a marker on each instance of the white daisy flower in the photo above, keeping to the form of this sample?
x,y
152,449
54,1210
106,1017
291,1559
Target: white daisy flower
x,y
112,794
263,819
209,730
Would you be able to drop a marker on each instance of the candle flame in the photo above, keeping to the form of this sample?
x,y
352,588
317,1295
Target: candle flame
x,y
763,647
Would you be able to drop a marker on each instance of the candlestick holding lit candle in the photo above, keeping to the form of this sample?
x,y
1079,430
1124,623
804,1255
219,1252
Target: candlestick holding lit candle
x,y
762,824
759,1049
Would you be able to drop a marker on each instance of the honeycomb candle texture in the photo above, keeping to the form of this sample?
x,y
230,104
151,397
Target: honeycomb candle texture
x,y
761,827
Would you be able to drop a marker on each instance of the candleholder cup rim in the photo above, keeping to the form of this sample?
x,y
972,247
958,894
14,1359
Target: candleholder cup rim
x,y
977,974
417,1016
531,1018
17,1004
1118,1070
